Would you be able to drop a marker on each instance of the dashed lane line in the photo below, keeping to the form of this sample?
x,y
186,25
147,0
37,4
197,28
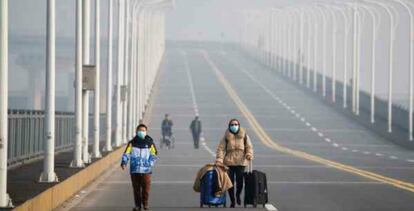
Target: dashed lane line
x,y
268,141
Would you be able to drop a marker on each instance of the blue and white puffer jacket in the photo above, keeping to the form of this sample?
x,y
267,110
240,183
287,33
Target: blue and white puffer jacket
x,y
142,155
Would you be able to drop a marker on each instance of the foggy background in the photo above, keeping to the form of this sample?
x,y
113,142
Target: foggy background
x,y
196,20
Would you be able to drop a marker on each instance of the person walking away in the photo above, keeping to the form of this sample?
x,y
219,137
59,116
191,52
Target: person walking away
x,y
141,153
166,127
196,130
235,151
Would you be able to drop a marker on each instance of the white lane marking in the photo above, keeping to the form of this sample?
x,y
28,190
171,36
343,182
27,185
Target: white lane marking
x,y
393,157
303,119
293,111
379,154
270,207
355,150
193,96
344,148
126,182
409,160
328,140
367,153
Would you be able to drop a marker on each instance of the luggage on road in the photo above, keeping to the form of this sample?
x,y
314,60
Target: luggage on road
x,y
208,187
255,191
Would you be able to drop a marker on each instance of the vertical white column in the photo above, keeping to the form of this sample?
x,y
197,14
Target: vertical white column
x,y
108,139
118,109
391,73
324,52
85,93
355,56
345,76
48,174
334,39
373,65
128,74
301,50
410,113
316,53
5,200
97,104
77,161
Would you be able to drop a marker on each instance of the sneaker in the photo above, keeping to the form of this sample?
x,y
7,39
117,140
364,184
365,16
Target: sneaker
x,y
136,209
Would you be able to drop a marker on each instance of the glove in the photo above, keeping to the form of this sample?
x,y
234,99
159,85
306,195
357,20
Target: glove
x,y
249,157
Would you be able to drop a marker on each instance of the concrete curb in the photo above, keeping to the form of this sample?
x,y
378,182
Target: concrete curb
x,y
56,195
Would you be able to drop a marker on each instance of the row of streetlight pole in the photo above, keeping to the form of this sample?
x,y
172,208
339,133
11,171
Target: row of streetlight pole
x,y
141,45
297,30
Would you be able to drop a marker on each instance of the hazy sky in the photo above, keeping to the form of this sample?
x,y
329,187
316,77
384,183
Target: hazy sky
x,y
207,19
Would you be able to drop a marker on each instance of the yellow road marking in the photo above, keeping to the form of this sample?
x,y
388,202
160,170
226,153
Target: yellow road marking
x,y
267,140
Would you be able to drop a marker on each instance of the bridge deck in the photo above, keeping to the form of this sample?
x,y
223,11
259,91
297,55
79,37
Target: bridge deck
x,y
287,115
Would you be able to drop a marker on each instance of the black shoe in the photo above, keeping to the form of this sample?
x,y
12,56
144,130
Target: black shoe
x,y
232,205
136,209
238,200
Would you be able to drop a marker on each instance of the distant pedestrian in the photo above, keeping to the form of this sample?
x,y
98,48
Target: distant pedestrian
x,y
196,130
141,154
235,151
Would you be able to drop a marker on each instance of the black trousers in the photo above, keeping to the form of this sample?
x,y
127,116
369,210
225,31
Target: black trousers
x,y
236,176
196,139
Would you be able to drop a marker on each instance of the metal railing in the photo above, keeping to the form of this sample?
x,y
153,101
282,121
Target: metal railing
x,y
26,129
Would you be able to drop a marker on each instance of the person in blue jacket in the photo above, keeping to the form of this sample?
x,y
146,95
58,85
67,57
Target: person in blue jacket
x,y
141,153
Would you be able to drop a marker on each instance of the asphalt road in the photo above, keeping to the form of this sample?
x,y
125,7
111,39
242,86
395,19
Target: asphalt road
x,y
314,157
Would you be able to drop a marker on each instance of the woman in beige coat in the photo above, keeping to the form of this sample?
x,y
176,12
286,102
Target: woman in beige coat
x,y
235,151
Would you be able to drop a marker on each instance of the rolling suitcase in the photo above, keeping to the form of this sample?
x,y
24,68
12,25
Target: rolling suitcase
x,y
255,191
207,191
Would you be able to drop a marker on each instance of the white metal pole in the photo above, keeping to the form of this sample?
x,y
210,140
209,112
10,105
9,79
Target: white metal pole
x,y
77,159
375,26
96,130
301,50
334,59
316,38
118,111
5,201
409,9
309,48
324,51
391,71
410,119
48,174
127,76
108,139
85,93
355,56
346,63
358,69
125,72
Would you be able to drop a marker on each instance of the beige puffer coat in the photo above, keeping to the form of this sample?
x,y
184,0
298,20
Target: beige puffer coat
x,y
236,152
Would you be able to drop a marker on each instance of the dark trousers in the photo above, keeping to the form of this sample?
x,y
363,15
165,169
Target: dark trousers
x,y
141,185
236,176
196,139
